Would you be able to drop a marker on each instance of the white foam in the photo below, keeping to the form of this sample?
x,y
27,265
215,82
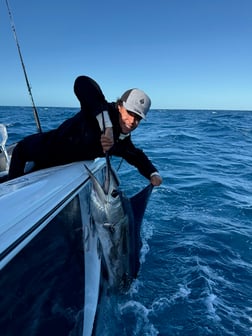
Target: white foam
x,y
146,234
143,325
134,288
211,302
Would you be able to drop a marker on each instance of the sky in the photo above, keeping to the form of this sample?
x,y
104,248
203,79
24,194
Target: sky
x,y
185,54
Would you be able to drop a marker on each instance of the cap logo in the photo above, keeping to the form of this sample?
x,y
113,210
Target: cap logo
x,y
136,101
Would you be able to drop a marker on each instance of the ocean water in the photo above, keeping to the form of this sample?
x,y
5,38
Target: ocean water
x,y
196,271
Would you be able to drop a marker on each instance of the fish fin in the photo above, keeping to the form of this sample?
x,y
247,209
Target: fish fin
x,y
138,204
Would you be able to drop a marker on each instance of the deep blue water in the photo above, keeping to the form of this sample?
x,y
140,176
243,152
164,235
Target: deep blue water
x,y
196,273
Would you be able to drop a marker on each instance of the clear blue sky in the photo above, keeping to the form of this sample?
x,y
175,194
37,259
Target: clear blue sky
x,y
183,53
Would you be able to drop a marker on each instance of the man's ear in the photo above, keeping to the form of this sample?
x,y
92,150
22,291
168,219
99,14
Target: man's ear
x,y
120,108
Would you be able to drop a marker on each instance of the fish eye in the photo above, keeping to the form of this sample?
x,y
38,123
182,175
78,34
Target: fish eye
x,y
114,193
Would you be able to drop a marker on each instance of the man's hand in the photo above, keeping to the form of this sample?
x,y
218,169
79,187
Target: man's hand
x,y
156,180
107,139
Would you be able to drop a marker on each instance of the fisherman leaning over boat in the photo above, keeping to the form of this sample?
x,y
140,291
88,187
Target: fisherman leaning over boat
x,y
82,137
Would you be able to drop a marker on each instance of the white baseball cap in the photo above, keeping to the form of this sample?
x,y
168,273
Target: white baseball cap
x,y
136,101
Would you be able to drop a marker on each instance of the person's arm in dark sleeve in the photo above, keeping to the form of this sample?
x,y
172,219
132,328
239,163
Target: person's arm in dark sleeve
x,y
137,158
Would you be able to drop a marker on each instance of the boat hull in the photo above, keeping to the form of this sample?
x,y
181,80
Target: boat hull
x,y
43,247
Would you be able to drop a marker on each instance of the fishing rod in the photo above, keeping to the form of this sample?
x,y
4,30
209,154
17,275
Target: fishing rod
x,y
35,112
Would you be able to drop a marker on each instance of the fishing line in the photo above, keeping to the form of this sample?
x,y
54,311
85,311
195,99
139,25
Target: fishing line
x,y
35,112
120,163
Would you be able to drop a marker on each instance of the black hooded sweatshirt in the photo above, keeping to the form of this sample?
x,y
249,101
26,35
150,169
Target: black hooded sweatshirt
x,y
78,138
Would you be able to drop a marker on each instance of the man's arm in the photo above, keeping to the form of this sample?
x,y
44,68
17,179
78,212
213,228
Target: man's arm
x,y
137,158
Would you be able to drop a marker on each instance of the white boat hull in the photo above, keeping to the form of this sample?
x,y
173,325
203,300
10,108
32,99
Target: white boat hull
x,y
45,220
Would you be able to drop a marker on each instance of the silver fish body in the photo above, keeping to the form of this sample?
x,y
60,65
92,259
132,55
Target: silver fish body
x,y
113,217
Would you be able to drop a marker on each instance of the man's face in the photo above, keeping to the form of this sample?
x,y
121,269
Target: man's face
x,y
128,120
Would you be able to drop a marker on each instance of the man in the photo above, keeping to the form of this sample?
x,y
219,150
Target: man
x,y
98,128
